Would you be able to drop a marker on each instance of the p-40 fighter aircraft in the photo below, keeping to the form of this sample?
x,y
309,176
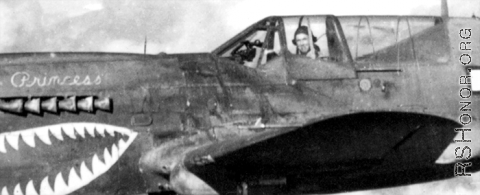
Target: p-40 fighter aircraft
x,y
358,102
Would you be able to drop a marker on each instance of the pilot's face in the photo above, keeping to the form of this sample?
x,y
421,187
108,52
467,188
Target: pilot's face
x,y
302,42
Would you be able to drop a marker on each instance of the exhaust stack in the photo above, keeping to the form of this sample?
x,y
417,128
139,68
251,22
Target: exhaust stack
x,y
103,104
68,104
86,104
14,106
50,105
33,105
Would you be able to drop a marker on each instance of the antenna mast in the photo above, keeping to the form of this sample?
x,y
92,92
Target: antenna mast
x,y
444,9
145,46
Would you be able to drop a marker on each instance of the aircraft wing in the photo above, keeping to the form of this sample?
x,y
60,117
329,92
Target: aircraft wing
x,y
353,152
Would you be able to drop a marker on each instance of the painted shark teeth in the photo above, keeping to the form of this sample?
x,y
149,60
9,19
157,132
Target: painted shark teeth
x,y
57,132
85,174
97,166
44,136
12,139
73,131
100,131
80,131
4,191
30,190
45,187
29,138
90,129
60,186
108,158
17,190
122,146
74,182
115,154
69,131
110,131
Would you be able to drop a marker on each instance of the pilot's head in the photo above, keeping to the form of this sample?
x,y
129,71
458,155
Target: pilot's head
x,y
301,39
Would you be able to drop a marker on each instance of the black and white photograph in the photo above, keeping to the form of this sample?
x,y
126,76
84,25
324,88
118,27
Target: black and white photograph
x,y
239,97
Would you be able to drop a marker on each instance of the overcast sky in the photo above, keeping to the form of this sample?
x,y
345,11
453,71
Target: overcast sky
x,y
171,26
192,26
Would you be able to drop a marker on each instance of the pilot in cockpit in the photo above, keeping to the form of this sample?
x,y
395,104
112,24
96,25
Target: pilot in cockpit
x,y
302,41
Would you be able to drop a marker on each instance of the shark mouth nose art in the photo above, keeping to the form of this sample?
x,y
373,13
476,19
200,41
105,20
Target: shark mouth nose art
x,y
59,159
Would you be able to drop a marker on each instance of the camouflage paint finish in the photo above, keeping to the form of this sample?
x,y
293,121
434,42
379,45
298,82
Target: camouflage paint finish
x,y
174,119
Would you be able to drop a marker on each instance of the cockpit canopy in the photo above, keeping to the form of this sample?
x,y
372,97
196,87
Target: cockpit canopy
x,y
366,40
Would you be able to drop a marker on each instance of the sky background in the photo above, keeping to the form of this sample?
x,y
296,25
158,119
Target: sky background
x,y
192,26
171,26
